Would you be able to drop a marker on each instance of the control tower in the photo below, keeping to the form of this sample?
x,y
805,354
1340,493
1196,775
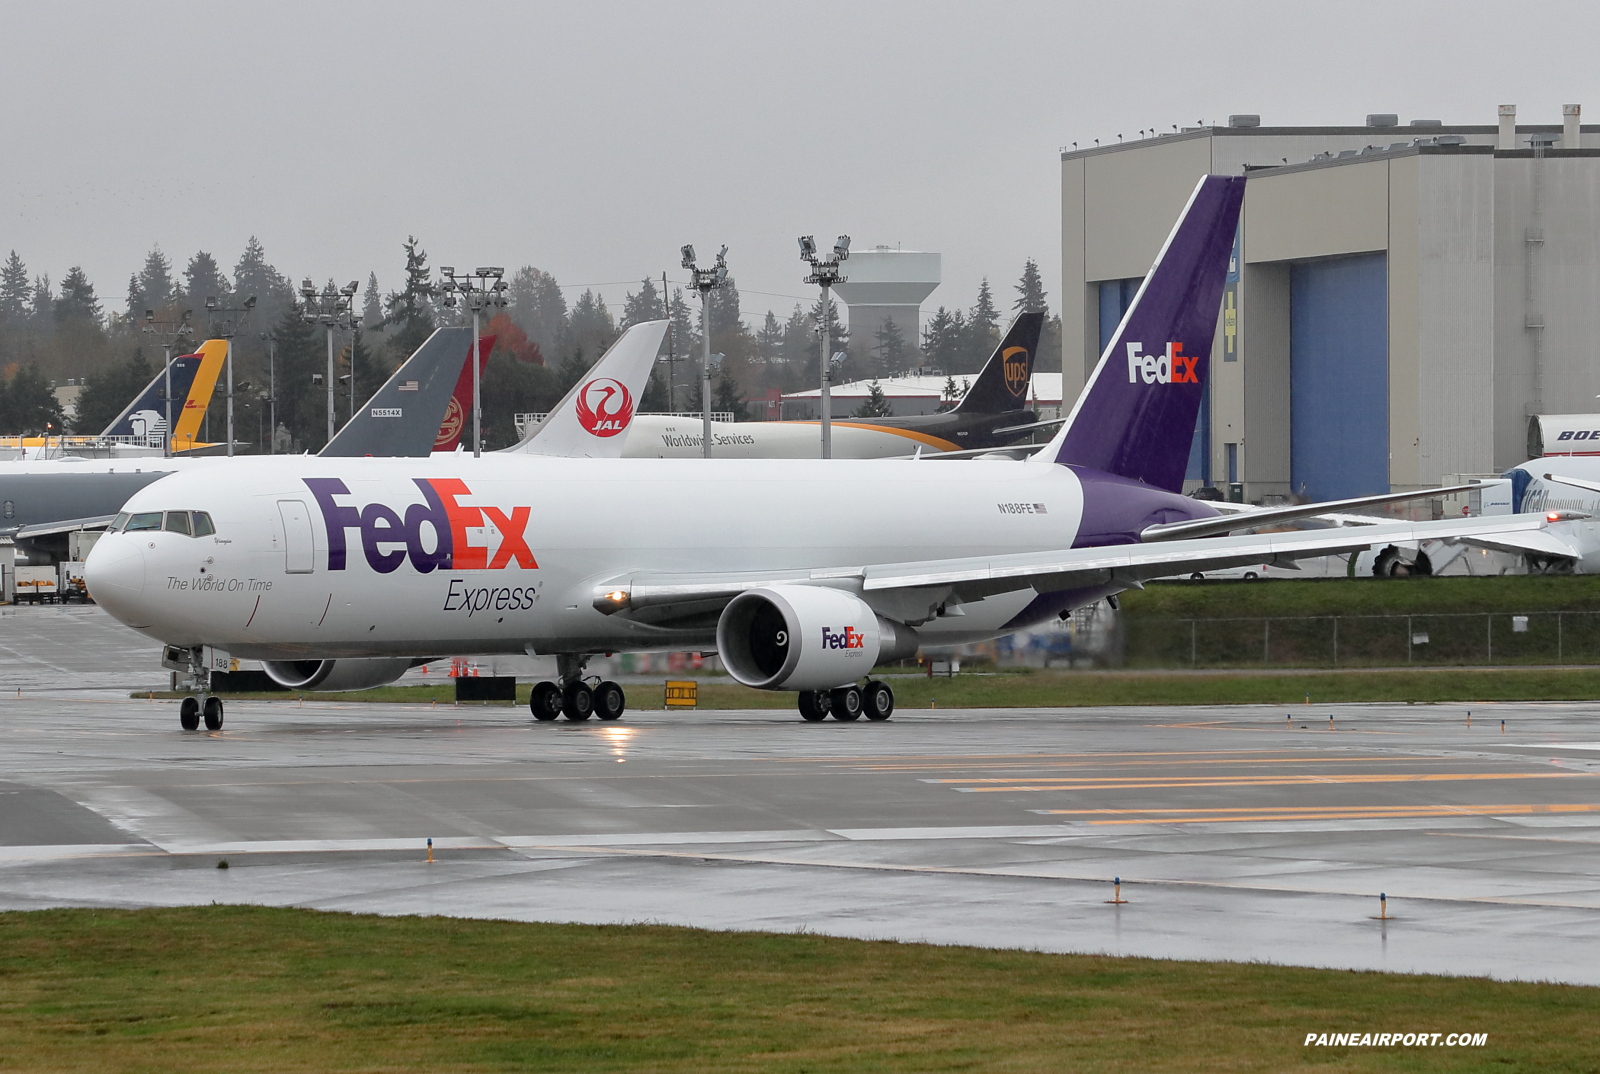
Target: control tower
x,y
886,284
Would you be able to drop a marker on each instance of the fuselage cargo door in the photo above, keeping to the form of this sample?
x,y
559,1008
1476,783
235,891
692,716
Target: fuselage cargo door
x,y
298,544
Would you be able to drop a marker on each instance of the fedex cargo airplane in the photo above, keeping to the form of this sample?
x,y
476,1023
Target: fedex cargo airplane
x,y
993,414
802,574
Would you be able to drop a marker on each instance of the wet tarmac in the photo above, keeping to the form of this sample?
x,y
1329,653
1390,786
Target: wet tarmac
x,y
1237,834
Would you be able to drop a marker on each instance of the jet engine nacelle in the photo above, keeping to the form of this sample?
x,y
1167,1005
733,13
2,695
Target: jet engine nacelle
x,y
335,675
796,637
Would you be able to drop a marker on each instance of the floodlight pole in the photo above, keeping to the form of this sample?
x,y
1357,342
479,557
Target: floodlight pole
x,y
334,307
482,287
825,273
705,281
272,386
181,328
230,329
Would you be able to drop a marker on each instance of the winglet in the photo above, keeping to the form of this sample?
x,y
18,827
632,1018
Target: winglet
x,y
401,420
1136,417
1002,384
592,419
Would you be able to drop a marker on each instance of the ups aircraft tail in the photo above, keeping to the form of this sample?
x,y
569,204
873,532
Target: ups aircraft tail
x,y
402,418
1135,419
194,378
592,419
1003,382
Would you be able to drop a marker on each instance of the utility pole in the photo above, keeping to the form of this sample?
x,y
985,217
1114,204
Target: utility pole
x,y
705,281
483,287
179,329
334,308
825,273
230,328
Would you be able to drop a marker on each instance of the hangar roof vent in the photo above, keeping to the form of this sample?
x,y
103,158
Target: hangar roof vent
x,y
1244,121
1383,119
1427,122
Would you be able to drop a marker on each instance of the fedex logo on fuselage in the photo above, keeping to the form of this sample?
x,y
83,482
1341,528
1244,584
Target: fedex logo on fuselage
x,y
850,639
1172,367
434,534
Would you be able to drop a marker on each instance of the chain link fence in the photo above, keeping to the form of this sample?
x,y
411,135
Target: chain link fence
x,y
1463,639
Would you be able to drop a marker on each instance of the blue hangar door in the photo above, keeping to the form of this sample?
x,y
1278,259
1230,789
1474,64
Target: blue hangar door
x,y
1339,376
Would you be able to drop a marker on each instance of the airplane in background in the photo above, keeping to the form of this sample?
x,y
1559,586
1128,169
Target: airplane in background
x,y
993,414
593,420
42,501
802,574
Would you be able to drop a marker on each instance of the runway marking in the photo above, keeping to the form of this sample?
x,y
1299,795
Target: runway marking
x,y
1293,759
1113,783
1242,815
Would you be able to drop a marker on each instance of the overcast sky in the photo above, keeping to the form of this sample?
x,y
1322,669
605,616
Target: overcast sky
x,y
593,139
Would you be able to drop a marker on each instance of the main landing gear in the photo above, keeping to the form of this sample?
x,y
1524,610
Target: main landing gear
x,y
875,701
574,697
202,705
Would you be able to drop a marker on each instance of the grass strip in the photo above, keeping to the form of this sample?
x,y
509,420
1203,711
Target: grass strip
x,y
1028,688
227,988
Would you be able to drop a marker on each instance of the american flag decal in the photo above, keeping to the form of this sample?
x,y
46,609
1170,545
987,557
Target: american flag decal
x,y
1040,509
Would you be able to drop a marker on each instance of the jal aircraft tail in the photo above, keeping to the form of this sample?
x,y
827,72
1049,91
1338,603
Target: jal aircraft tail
x,y
458,412
592,419
1003,382
402,418
194,378
1136,416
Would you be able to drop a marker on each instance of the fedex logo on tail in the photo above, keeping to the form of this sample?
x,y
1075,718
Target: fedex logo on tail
x,y
1172,367
441,533
850,639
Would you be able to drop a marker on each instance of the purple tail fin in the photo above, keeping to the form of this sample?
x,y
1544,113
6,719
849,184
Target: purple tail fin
x,y
1136,417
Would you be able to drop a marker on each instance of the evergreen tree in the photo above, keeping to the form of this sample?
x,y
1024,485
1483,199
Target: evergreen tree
x,y
302,404
1030,290
252,275
372,305
14,291
942,339
799,341
874,405
107,392
724,305
571,371
539,308
365,369
982,333
27,405
592,328
41,309
685,340
727,397
205,280
892,352
769,341
77,303
950,396
410,309
155,284
641,307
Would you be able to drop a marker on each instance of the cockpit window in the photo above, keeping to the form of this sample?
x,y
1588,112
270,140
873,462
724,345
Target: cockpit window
x,y
202,524
177,522
118,522
144,520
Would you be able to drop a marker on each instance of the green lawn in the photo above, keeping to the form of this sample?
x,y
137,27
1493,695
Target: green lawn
x,y
249,989
1363,596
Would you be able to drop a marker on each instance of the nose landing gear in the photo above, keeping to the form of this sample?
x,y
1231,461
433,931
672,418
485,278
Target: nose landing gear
x,y
203,704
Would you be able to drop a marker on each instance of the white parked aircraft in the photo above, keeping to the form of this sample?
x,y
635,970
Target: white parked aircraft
x,y
801,574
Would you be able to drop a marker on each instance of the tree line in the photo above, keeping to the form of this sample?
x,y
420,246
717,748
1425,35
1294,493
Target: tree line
x,y
55,334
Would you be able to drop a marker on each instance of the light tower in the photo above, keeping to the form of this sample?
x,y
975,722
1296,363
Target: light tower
x,y
334,309
825,273
705,281
173,331
230,328
484,287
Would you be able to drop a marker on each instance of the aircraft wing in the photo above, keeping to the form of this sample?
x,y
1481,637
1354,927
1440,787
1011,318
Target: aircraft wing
x,y
974,578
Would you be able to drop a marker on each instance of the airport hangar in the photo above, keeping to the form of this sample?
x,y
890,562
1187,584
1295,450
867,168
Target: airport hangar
x,y
1403,299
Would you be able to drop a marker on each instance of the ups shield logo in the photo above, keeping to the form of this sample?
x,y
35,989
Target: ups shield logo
x,y
1014,363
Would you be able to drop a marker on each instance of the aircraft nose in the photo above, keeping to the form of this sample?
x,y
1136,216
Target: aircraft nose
x,y
114,572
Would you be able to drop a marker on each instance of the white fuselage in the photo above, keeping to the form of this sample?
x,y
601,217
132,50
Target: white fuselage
x,y
261,587
1542,495
654,436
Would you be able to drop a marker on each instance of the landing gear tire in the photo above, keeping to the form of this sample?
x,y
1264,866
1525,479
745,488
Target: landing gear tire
x,y
577,702
814,705
213,711
189,713
878,700
545,704
609,700
846,703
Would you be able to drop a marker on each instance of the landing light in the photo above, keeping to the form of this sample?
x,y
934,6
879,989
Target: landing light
x,y
619,596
